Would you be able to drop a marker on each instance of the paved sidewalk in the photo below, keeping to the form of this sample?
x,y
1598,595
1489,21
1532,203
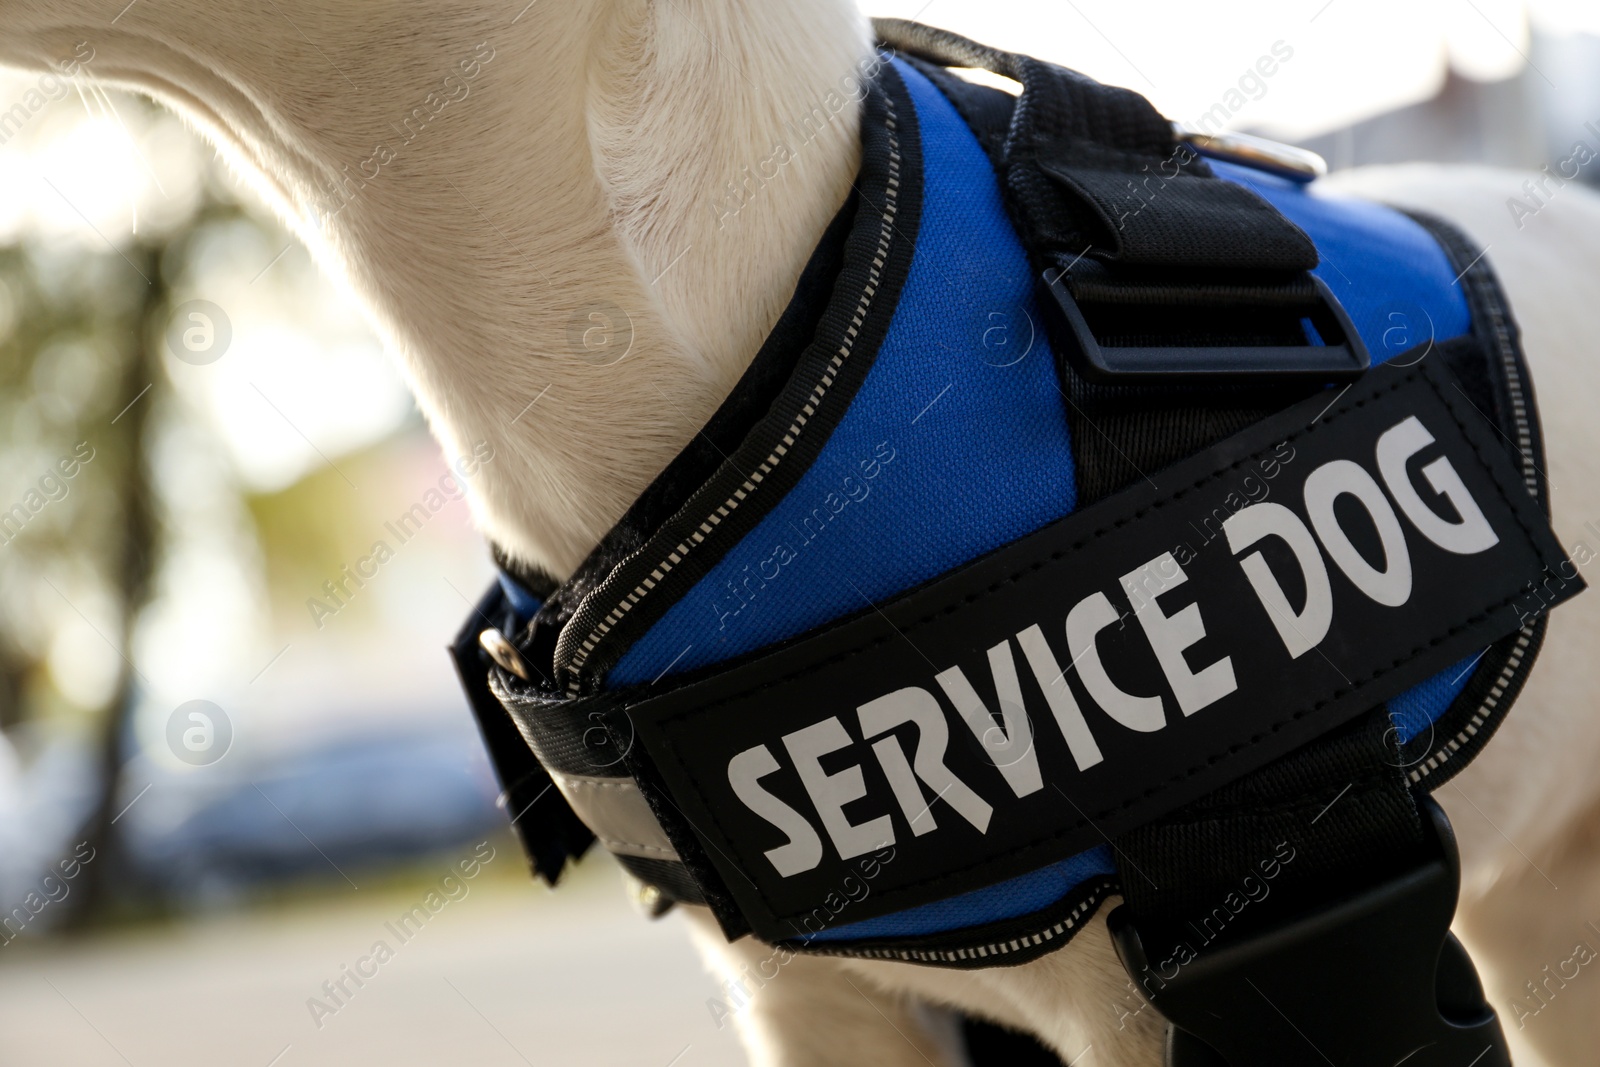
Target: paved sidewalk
x,y
509,974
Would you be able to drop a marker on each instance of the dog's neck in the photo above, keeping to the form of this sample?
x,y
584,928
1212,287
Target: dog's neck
x,y
580,172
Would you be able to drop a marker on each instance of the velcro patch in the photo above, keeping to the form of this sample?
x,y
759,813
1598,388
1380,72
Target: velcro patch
x,y
1112,666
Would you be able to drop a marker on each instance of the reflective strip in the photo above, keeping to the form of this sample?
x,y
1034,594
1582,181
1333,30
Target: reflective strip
x,y
619,816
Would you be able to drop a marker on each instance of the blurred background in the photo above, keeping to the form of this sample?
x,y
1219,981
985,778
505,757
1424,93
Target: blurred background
x,y
222,780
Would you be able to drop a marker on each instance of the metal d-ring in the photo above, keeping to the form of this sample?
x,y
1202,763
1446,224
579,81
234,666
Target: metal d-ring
x,y
1287,161
504,653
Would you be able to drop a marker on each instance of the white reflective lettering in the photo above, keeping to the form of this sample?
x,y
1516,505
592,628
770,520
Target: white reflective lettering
x,y
1390,586
1467,537
1008,746
831,792
804,849
1084,622
1170,635
907,793
921,707
1303,630
1058,694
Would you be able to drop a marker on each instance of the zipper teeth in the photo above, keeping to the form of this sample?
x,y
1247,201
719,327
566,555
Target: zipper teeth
x,y
1081,911
1476,276
581,655
1490,703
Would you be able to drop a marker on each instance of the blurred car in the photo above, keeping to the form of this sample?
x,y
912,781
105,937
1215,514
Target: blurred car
x,y
329,810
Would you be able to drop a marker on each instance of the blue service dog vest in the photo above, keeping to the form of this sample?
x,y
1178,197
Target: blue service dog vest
x,y
1031,562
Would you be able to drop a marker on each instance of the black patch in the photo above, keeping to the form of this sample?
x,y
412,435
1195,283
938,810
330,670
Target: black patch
x,y
1456,605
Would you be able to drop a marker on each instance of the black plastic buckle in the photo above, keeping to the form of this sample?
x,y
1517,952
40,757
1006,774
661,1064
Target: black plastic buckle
x,y
1372,981
1341,357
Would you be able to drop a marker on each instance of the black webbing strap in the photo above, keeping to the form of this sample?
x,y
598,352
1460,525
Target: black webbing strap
x,y
1338,815
1106,138
1131,228
1331,817
1120,432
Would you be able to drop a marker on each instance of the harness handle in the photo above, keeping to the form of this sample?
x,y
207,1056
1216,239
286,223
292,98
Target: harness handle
x,y
1151,267
1095,170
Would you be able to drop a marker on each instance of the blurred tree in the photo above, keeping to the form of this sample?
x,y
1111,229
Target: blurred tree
x,y
78,541
82,374
64,365
96,562
131,567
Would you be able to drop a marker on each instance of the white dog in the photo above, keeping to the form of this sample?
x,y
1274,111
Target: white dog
x,y
573,169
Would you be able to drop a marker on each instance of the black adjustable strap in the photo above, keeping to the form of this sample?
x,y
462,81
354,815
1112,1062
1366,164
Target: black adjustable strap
x,y
1152,268
1164,346
1341,807
1139,246
1305,909
1370,977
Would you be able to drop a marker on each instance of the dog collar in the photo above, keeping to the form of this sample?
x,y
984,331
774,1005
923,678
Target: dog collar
x,y
1095,519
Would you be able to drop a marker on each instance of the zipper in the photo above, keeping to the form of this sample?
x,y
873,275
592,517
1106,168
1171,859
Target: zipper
x,y
1023,942
1486,299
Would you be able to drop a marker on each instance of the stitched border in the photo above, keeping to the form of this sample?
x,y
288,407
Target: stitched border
x,y
1336,412
1082,902
1489,708
1491,317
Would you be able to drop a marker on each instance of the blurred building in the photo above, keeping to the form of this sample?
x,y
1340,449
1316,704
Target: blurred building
x,y
1535,116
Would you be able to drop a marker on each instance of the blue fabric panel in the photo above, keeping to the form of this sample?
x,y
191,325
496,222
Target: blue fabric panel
x,y
1004,900
524,603
976,430
1413,711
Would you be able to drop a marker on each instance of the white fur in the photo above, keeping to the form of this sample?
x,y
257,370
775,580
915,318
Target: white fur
x,y
585,170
